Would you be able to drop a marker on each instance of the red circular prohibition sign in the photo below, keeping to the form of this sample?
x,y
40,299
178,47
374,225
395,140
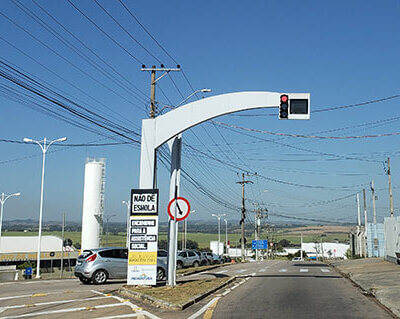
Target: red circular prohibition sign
x,y
186,214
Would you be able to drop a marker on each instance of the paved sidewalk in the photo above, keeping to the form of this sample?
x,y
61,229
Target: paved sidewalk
x,y
379,277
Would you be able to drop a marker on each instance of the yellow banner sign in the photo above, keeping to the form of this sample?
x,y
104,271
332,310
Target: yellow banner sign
x,y
143,258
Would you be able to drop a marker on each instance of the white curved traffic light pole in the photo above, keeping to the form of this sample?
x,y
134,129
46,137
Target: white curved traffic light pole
x,y
168,128
44,146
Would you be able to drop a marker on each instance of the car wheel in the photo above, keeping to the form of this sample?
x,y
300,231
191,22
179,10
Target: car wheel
x,y
100,277
85,280
196,264
160,273
179,265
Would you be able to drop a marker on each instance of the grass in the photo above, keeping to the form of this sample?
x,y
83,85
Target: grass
x,y
203,239
182,292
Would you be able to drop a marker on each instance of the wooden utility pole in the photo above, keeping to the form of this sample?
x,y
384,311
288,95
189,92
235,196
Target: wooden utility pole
x,y
243,217
390,188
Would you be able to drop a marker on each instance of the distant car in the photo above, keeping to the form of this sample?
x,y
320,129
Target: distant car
x,y
203,258
99,265
188,258
297,259
214,258
226,259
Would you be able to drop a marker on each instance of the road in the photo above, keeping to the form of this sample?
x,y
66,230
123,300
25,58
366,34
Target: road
x,y
268,289
295,290
66,298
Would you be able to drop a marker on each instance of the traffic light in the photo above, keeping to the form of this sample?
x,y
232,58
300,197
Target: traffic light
x,y
284,107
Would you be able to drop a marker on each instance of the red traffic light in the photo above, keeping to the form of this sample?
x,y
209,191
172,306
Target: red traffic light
x,y
284,98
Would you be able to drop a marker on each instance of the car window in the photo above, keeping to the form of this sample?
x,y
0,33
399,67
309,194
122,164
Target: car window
x,y
110,253
162,253
123,253
191,254
85,254
182,254
198,253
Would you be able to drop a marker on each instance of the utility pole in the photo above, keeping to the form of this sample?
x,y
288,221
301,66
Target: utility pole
x,y
219,230
243,182
257,224
62,246
301,246
390,188
365,223
373,201
359,225
226,235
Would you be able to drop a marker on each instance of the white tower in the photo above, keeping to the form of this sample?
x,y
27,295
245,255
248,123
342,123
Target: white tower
x,y
93,203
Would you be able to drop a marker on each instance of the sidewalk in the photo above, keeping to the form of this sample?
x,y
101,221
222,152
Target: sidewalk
x,y
376,276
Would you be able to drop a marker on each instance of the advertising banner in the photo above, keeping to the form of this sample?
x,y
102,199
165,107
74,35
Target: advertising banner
x,y
143,237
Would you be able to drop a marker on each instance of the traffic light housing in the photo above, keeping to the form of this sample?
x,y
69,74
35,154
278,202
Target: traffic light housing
x,y
284,107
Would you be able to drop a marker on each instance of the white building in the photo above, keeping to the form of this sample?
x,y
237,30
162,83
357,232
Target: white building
x,y
327,250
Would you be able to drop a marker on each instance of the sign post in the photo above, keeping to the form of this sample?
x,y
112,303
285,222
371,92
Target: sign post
x,y
143,237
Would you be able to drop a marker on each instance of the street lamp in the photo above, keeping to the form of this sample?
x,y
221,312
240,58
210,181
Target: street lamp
x,y
226,235
185,231
219,228
195,92
3,199
44,146
128,205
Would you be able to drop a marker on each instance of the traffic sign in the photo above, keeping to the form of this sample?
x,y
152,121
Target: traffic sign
x,y
259,244
180,207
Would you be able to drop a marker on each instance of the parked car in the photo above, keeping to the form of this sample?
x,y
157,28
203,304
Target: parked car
x,y
214,258
297,259
188,258
226,259
203,258
99,265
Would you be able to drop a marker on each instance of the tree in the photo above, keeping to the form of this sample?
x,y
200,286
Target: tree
x,y
284,243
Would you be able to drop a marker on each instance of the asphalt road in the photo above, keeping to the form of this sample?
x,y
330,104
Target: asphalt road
x,y
269,289
296,290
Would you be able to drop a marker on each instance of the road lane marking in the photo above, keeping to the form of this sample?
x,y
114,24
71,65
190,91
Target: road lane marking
x,y
282,270
210,310
210,303
35,282
51,303
129,315
303,270
325,270
134,307
50,312
221,272
241,270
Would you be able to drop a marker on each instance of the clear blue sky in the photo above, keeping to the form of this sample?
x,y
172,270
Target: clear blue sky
x,y
341,52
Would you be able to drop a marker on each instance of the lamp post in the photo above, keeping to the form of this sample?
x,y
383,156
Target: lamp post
x,y
226,235
128,205
219,228
44,146
3,199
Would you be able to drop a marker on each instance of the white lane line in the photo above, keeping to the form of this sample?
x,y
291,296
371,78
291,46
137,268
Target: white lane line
x,y
241,270
43,313
209,304
221,272
262,270
35,281
303,270
325,270
282,270
129,315
52,302
134,307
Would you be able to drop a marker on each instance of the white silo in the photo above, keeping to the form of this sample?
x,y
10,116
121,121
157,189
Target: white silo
x,y
93,203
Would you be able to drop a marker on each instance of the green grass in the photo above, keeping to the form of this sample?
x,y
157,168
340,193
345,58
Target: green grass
x,y
203,239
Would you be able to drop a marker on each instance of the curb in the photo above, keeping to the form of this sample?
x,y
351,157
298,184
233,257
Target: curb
x,y
164,304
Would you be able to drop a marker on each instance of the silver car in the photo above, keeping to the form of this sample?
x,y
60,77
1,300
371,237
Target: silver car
x,y
99,265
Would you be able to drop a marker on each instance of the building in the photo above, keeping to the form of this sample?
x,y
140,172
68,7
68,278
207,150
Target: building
x,y
326,250
16,250
392,238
